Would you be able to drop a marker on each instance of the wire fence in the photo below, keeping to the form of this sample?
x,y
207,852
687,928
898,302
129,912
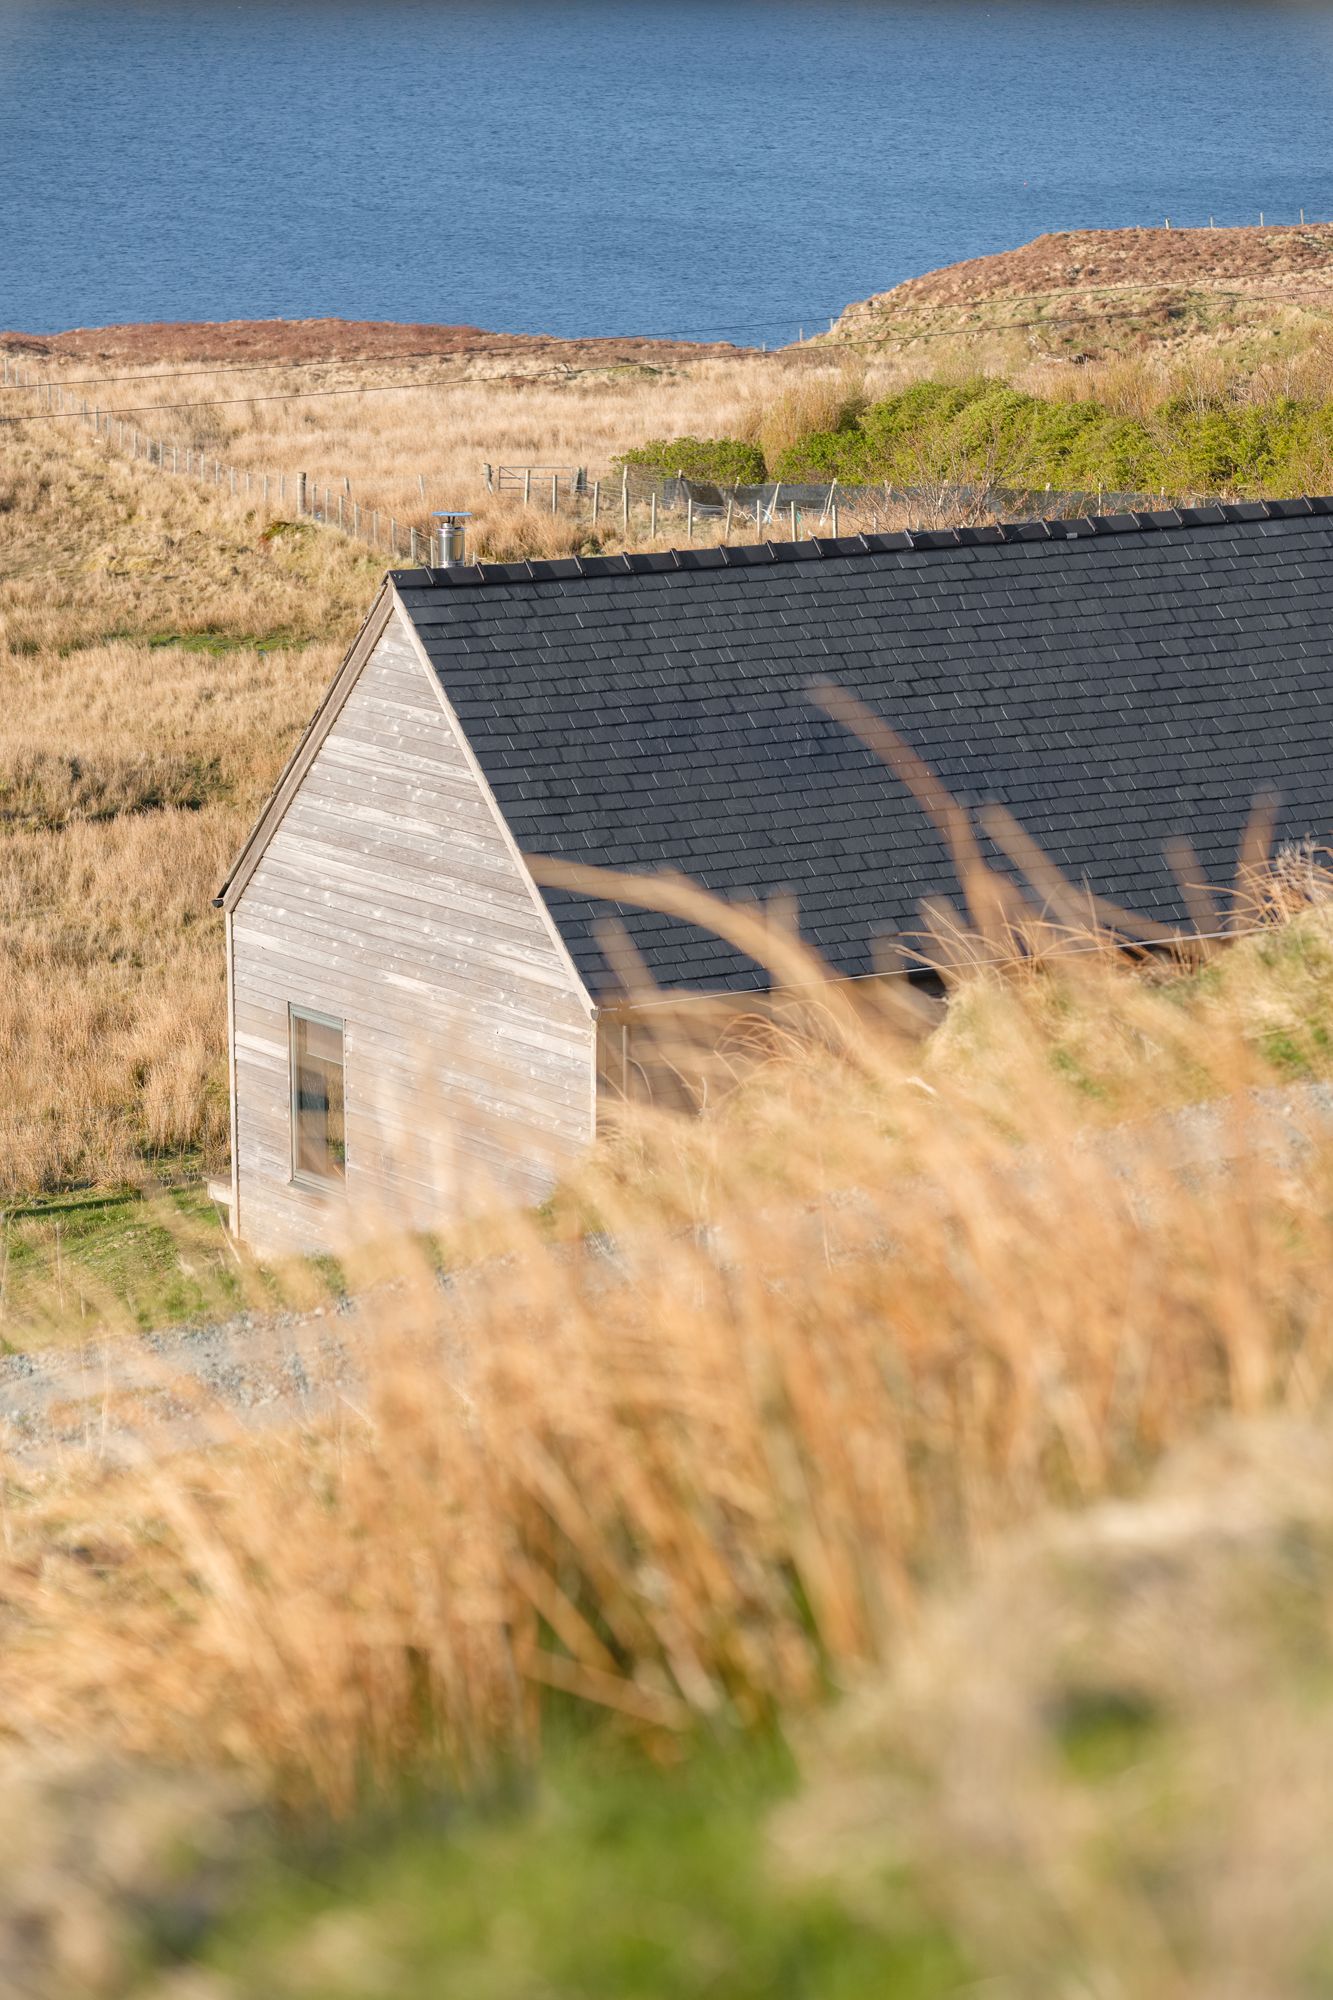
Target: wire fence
x,y
632,500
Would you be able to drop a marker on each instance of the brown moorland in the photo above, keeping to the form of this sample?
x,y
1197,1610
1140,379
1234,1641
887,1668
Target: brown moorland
x,y
1091,293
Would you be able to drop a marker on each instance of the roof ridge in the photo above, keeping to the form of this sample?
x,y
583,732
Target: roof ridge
x,y
1210,514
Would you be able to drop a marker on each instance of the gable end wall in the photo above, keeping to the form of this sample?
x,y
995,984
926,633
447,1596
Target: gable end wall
x,y
390,897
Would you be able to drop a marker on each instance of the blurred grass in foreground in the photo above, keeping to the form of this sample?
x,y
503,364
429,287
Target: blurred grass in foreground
x,y
701,1451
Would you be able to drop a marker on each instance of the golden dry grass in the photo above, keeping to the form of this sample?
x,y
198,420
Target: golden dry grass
x,y
690,1450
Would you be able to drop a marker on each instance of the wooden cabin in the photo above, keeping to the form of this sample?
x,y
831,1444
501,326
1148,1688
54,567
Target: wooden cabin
x,y
413,1019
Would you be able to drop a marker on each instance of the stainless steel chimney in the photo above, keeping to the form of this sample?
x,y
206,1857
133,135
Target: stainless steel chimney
x,y
450,539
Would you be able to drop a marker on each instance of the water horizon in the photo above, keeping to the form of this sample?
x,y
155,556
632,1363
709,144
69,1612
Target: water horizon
x,y
737,170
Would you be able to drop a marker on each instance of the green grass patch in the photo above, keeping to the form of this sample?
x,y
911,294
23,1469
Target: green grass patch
x,y
78,1264
611,1880
214,639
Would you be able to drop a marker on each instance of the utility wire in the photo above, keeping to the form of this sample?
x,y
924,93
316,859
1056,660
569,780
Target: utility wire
x,y
214,403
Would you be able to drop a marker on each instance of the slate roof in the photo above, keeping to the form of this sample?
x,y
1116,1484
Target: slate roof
x,y
1114,682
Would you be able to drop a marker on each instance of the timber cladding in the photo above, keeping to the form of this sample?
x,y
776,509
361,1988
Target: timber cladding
x,y
389,897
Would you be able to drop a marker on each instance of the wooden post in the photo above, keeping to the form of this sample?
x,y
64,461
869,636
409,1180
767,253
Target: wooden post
x,y
794,520
300,493
652,516
340,510
555,492
393,536
596,499
412,546
689,517
835,520
527,485
731,501
624,498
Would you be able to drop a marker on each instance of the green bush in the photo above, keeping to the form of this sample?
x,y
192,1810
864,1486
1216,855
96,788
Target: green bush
x,y
719,461
987,432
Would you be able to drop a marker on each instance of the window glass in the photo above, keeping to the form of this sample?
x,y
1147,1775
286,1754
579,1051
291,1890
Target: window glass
x,y
319,1141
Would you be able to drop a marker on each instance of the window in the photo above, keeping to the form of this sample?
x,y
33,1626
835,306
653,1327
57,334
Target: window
x,y
319,1132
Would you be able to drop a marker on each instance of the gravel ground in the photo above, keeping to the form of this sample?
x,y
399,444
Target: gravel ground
x,y
178,1387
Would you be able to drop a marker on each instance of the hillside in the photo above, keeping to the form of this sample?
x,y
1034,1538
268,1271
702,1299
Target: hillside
x,y
1086,294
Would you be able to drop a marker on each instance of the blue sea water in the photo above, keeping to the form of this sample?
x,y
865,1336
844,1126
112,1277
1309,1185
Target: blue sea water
x,y
731,169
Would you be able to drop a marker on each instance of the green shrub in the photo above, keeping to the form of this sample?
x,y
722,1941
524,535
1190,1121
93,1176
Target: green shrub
x,y
987,432
720,461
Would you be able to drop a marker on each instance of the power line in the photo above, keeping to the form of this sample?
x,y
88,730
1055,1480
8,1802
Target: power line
x,y
149,374
216,402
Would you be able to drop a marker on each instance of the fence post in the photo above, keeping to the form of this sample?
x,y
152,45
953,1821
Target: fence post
x,y
596,499
340,510
795,521
624,498
652,515
835,520
731,501
689,517
412,546
393,536
555,492
527,484
300,492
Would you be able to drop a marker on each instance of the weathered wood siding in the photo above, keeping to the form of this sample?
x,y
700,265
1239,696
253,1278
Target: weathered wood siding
x,y
390,897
